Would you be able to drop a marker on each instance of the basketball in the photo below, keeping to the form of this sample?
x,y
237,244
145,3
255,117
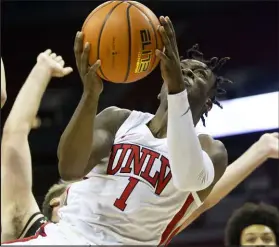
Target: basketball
x,y
124,36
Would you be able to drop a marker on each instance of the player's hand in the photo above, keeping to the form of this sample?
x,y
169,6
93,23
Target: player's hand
x,y
269,144
91,81
170,59
54,63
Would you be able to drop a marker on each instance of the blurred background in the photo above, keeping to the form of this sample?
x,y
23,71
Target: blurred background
x,y
245,31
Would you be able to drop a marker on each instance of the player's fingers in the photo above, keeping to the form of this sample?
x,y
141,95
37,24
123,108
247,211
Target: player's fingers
x,y
161,55
62,62
164,22
275,134
78,46
93,69
168,20
67,71
85,59
53,55
172,31
48,52
58,59
169,50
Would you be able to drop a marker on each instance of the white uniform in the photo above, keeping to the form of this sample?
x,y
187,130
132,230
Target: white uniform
x,y
129,198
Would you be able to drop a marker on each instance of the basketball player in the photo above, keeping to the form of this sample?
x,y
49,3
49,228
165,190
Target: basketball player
x,y
3,85
16,171
253,225
156,189
106,231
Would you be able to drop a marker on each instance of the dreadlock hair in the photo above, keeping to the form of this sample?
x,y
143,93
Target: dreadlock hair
x,y
251,214
214,64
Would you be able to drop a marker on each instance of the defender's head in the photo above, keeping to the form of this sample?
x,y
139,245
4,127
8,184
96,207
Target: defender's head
x,y
203,84
253,225
54,200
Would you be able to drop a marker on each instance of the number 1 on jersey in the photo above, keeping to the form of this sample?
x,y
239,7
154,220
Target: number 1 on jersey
x,y
121,201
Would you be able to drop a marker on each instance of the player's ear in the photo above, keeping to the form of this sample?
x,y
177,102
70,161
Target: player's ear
x,y
54,202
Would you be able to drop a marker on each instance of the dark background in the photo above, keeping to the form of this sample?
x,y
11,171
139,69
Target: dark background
x,y
245,31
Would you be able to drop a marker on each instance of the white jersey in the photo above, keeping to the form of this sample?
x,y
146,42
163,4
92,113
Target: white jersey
x,y
129,198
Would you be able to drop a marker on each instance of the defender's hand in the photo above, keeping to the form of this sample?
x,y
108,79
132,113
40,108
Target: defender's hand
x,y
269,144
54,63
91,81
170,59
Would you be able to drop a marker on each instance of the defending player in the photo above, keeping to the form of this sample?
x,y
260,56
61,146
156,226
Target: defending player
x,y
17,201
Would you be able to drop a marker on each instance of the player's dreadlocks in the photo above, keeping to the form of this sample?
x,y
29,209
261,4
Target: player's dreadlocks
x,y
214,64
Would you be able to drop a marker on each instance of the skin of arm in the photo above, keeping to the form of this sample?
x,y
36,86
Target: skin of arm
x,y
17,200
87,138
266,147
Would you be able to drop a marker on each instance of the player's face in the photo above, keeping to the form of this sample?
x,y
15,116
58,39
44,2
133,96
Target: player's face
x,y
198,77
257,235
56,203
200,82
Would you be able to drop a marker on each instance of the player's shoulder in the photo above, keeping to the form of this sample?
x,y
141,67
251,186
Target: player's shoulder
x,y
114,111
112,118
212,145
114,114
209,139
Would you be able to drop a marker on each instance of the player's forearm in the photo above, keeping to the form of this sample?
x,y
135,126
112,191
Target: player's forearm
x,y
236,173
191,167
28,100
76,142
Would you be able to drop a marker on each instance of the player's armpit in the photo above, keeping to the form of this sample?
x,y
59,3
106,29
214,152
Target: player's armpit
x,y
106,124
19,218
17,200
219,156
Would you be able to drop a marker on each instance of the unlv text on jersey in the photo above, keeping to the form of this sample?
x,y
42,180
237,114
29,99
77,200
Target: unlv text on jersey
x,y
130,159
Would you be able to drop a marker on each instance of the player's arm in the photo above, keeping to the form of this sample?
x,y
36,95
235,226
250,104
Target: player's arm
x,y
266,147
18,205
3,85
88,137
219,157
256,155
100,142
192,168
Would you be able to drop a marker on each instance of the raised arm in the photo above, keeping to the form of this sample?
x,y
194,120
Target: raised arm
x,y
17,201
267,147
76,142
87,138
192,169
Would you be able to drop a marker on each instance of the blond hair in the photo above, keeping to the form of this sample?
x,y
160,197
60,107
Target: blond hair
x,y
55,190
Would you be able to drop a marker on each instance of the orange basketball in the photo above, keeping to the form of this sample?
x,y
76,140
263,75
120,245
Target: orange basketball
x,y
124,36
